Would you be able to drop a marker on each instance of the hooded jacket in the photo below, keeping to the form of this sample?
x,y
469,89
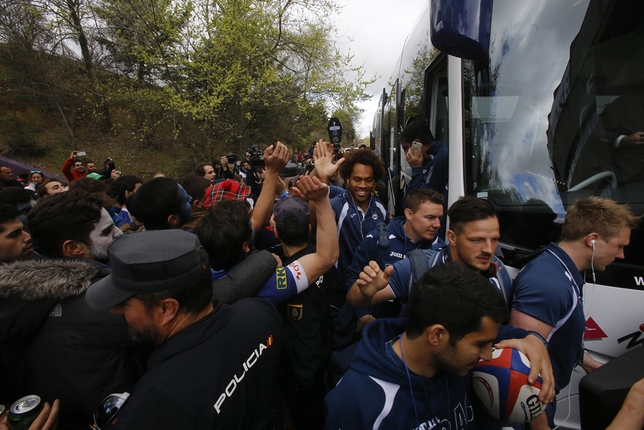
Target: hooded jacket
x,y
52,344
375,392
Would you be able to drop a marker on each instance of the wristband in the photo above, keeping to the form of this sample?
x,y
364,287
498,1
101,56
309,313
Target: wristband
x,y
541,338
283,195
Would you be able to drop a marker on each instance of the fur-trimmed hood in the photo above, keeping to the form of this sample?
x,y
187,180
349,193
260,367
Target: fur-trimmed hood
x,y
53,279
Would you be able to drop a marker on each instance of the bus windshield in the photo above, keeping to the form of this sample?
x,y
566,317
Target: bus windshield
x,y
554,114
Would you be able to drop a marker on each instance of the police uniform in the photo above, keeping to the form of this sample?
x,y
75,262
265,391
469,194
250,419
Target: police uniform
x,y
309,329
219,373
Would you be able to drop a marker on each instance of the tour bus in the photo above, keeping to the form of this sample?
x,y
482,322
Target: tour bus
x,y
539,103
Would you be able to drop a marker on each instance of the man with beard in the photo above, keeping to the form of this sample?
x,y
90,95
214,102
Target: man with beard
x,y
472,240
15,242
215,366
473,237
411,373
53,344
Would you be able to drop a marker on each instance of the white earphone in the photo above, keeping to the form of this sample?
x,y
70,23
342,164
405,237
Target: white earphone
x,y
592,242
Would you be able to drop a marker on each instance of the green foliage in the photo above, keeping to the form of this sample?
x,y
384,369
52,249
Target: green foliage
x,y
415,79
210,75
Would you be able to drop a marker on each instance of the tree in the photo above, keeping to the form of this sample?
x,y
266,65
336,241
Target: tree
x,y
32,72
414,79
255,67
213,75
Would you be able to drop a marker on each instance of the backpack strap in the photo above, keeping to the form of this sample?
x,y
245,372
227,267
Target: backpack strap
x,y
502,279
421,261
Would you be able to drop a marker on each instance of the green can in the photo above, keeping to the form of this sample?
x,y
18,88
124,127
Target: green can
x,y
23,412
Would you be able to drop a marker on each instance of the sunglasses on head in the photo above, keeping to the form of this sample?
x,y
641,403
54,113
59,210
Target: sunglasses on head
x,y
107,411
36,171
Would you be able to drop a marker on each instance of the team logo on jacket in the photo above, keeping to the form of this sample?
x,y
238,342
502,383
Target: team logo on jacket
x,y
374,216
57,311
295,311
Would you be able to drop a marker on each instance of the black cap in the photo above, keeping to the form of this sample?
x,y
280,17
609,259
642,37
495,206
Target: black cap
x,y
148,262
291,212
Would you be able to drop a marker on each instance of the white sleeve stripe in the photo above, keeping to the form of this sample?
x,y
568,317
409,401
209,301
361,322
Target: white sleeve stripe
x,y
390,391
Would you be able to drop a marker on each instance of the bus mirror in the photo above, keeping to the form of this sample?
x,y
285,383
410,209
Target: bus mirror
x,y
461,27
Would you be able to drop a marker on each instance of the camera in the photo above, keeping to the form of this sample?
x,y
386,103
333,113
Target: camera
x,y
232,158
256,156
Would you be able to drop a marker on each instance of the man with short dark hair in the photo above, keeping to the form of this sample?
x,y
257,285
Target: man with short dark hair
x,y
23,199
429,165
245,170
120,190
215,366
410,373
53,344
415,230
472,240
49,186
196,187
74,168
162,204
6,177
90,166
15,243
206,171
307,321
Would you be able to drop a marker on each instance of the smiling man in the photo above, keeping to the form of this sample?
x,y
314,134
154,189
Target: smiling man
x,y
547,294
74,167
357,212
410,373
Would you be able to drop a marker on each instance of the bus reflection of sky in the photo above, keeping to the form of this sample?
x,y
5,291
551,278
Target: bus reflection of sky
x,y
529,64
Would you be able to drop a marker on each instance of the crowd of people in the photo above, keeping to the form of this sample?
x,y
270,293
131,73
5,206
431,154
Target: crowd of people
x,y
273,291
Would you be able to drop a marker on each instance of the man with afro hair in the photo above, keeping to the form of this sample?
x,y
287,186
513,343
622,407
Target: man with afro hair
x,y
357,212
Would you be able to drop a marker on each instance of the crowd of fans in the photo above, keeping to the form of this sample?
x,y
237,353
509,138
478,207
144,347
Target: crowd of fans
x,y
236,296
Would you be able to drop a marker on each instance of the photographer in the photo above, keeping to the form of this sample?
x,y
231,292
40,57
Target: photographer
x,y
74,167
228,169
253,167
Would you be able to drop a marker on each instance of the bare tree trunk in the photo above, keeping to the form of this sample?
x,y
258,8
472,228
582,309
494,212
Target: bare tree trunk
x,y
101,103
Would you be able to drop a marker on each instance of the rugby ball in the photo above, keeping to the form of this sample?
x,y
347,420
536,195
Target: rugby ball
x,y
501,386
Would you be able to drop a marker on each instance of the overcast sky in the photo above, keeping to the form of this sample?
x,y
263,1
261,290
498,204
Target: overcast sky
x,y
374,31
